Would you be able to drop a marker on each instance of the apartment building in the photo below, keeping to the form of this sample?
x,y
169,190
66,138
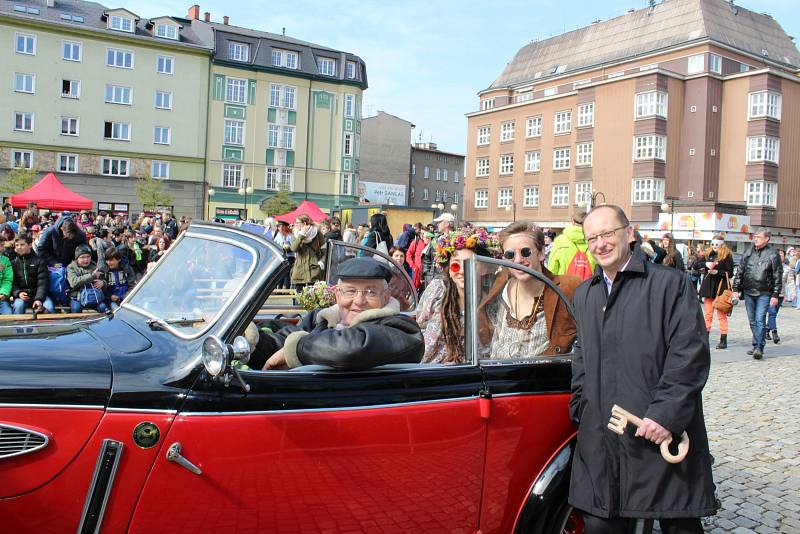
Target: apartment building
x,y
283,114
102,97
436,178
684,113
385,159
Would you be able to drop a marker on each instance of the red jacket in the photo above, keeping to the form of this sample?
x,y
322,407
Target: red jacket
x,y
414,259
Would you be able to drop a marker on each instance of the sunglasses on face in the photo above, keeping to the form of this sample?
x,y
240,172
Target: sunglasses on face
x,y
525,252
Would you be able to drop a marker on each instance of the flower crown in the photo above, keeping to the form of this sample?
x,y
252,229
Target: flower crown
x,y
469,239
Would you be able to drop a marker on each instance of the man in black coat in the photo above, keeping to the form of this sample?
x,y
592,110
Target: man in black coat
x,y
363,330
57,244
641,345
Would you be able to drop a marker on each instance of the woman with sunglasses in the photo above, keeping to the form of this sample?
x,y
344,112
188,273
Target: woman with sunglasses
x,y
530,319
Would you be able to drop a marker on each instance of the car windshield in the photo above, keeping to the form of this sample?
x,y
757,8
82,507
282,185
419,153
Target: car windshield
x,y
193,284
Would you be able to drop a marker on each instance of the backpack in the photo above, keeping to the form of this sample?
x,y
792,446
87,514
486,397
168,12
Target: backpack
x,y
58,287
91,297
117,288
579,265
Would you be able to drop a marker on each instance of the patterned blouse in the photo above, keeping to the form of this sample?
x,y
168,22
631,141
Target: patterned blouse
x,y
429,320
511,338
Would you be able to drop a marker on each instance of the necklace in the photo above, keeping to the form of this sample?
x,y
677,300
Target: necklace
x,y
525,323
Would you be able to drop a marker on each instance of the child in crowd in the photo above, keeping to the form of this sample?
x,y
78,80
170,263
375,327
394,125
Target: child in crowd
x,y
85,282
6,281
118,279
31,278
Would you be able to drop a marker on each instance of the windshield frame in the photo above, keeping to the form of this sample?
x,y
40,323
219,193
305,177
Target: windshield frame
x,y
221,312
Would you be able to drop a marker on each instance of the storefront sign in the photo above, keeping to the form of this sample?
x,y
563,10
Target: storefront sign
x,y
704,222
381,193
229,213
115,208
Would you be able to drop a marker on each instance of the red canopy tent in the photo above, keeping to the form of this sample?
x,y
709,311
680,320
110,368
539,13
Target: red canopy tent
x,y
305,208
50,193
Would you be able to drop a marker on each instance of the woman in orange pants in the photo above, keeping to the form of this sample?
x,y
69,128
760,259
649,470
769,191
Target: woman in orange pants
x,y
719,273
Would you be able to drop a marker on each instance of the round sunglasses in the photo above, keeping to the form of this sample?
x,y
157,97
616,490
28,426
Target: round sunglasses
x,y
525,252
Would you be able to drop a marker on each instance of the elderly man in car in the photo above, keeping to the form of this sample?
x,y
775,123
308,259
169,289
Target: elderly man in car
x,y
363,329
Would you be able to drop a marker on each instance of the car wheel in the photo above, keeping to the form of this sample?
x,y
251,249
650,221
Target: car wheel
x,y
570,521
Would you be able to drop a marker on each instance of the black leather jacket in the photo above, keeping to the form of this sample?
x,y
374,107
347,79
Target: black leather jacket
x,y
377,337
30,276
760,271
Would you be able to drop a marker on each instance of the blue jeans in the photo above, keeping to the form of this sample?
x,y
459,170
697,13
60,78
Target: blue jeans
x,y
20,305
75,306
772,315
757,313
5,307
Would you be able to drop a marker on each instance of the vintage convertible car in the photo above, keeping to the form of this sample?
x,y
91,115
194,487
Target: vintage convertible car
x,y
140,421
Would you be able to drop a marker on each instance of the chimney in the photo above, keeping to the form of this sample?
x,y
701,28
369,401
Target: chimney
x,y
194,12
207,16
225,20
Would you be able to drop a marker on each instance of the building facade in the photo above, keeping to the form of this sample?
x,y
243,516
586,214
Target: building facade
x,y
283,114
385,159
436,177
688,123
102,97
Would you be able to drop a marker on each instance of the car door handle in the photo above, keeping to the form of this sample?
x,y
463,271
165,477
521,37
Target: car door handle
x,y
174,455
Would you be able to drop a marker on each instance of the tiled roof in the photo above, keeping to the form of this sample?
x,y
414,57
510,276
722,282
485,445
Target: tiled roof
x,y
668,24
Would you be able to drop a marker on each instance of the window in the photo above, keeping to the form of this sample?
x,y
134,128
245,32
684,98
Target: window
x,y
349,105
438,195
122,59
273,135
161,135
561,195
115,167
444,175
22,159
507,164
507,131
289,93
165,65
347,184
487,104
455,177
234,132
456,197
425,194
26,44
762,149
563,122
285,58
715,64
533,127
426,173
69,126
696,64
561,158
159,169
167,31
484,135
23,121
70,88
481,198
350,70
117,94
348,144
652,103
163,100
68,163
123,24
648,190
583,192
533,161
586,115
235,89
118,131
271,179
438,174
760,193
523,97
231,175
505,196
327,66
238,51
649,147
288,137
274,95
550,91
584,152
530,197
413,169
72,51
482,167
765,104
24,83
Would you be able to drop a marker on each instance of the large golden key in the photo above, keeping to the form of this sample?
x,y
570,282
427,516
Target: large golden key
x,y
620,419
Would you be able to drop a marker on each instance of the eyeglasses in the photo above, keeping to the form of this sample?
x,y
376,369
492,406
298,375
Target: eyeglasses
x,y
510,254
605,235
351,292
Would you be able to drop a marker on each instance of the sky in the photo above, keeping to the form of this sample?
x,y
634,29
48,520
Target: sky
x,y
427,60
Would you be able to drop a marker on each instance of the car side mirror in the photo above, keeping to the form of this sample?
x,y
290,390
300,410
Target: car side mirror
x,y
217,358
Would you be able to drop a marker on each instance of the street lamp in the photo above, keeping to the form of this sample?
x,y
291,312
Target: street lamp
x,y
244,191
670,208
512,208
210,193
454,209
589,200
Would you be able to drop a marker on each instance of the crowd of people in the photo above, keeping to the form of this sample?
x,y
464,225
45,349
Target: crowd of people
x,y
77,261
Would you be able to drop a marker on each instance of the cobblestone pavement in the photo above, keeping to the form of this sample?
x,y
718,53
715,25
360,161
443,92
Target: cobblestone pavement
x,y
751,410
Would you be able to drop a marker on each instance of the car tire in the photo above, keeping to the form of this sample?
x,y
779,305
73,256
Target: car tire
x,y
568,521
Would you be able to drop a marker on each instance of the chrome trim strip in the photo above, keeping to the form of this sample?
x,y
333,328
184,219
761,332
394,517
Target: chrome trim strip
x,y
141,410
100,486
529,394
339,409
65,406
24,451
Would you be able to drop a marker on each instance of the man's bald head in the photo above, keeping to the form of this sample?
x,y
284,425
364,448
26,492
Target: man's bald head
x,y
618,212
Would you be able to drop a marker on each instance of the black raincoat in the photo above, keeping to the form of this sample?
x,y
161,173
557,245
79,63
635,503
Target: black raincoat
x,y
644,348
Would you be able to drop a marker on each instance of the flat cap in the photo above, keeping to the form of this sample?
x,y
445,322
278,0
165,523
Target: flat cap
x,y
364,267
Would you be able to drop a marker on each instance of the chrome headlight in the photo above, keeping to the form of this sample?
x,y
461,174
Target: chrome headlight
x,y
215,355
241,349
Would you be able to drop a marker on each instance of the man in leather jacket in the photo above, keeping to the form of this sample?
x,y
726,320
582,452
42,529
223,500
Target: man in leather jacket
x,y
363,329
758,281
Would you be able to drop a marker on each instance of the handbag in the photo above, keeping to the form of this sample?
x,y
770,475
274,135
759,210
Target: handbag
x,y
91,297
724,299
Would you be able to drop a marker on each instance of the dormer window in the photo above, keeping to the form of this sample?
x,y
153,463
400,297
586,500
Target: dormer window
x,y
123,24
167,31
350,71
327,66
285,58
238,51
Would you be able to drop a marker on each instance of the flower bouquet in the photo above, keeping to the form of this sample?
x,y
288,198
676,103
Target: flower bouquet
x,y
317,295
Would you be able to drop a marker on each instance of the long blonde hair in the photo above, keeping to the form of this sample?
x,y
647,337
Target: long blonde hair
x,y
723,251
